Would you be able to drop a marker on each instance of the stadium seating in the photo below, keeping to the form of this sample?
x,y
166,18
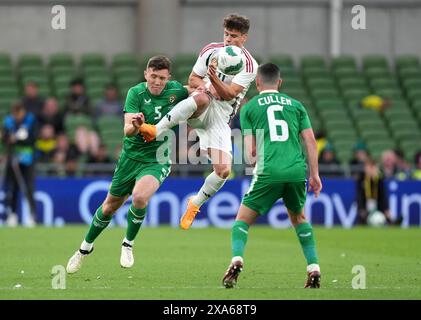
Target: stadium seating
x,y
125,60
330,89
61,60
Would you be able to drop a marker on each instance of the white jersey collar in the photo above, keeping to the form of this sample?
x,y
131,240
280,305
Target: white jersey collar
x,y
269,91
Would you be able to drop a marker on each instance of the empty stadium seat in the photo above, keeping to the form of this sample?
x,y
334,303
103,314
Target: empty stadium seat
x,y
312,61
282,61
92,59
125,60
374,61
30,59
344,62
407,61
5,59
61,60
185,60
343,73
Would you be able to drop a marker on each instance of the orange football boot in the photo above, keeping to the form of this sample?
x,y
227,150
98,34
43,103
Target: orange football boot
x,y
188,217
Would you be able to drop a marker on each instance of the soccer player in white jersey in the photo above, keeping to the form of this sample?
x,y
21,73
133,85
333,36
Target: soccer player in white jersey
x,y
210,112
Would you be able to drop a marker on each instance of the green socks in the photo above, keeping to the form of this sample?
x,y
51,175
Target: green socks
x,y
239,235
306,237
99,223
135,219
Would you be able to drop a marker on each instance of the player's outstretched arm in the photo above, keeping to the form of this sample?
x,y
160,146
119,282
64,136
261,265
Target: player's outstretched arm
x,y
311,146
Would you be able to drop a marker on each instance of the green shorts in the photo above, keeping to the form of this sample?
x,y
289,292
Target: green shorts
x,y
128,171
261,196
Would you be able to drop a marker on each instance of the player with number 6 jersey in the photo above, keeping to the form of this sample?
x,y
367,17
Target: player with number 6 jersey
x,y
280,119
272,124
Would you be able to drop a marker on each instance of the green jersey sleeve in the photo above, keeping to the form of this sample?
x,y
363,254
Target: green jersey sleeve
x,y
184,93
246,126
304,119
132,104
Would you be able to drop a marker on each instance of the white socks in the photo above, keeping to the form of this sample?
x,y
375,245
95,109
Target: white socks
x,y
313,267
237,258
86,246
212,184
181,112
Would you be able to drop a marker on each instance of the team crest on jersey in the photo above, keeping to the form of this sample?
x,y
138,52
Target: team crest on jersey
x,y
172,98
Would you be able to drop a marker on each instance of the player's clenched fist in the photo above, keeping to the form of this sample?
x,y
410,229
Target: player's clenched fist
x,y
138,119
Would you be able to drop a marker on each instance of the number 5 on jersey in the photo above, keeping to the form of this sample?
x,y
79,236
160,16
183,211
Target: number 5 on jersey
x,y
275,123
158,114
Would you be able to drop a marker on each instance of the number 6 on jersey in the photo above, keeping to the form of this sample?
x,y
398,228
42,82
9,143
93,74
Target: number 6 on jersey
x,y
274,123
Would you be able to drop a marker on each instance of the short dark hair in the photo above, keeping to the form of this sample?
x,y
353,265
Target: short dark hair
x,y
236,22
159,63
31,83
399,153
17,106
111,85
77,82
269,73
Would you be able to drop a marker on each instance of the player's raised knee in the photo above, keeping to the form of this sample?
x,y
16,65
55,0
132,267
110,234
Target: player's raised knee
x,y
202,101
223,171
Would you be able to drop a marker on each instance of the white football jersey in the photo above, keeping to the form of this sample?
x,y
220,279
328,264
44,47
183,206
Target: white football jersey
x,y
244,78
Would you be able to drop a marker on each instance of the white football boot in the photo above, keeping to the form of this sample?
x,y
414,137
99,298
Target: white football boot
x,y
75,262
126,258
12,220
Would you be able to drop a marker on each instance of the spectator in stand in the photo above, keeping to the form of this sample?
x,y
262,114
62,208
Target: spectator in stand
x,y
329,164
403,168
372,194
110,104
45,144
388,164
66,156
321,141
31,100
51,115
87,141
358,160
77,102
416,173
376,103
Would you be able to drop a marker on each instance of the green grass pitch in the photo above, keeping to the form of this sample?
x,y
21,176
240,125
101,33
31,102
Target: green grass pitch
x,y
175,264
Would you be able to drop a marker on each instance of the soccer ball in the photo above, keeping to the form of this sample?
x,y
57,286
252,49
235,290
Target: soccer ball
x,y
229,60
376,219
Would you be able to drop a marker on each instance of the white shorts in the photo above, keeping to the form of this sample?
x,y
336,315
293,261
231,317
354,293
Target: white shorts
x,y
212,127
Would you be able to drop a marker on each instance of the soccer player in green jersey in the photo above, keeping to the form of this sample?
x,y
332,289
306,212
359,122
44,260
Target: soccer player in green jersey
x,y
139,170
272,124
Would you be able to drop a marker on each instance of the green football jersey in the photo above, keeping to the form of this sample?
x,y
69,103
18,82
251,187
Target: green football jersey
x,y
139,99
276,121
